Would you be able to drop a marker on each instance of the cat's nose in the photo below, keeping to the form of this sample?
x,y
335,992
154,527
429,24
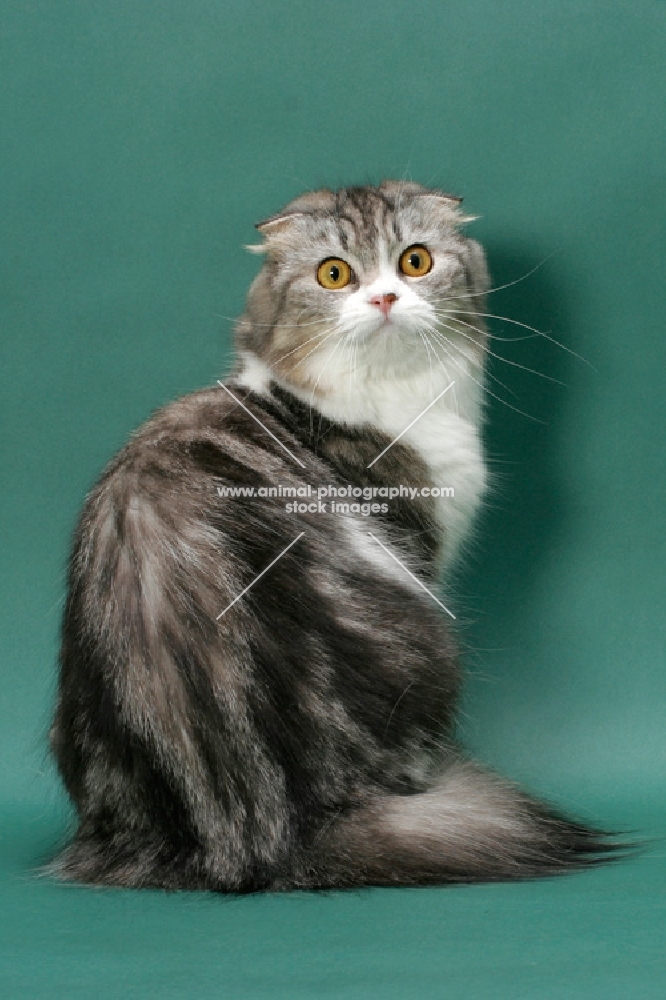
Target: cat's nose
x,y
384,302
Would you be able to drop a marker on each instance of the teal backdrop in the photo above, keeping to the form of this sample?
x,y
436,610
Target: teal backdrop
x,y
140,140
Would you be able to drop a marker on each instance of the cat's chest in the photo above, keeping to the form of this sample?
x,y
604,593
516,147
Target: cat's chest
x,y
446,440
441,423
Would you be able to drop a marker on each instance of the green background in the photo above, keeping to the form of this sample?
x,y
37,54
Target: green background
x,y
140,140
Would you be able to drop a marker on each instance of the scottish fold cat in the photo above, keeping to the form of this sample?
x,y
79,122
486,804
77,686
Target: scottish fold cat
x,y
258,683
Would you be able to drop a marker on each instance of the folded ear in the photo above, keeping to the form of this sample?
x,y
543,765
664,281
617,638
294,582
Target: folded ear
x,y
275,223
414,190
306,204
449,199
438,199
449,202
271,228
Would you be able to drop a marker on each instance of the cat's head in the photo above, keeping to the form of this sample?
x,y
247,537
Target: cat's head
x,y
379,280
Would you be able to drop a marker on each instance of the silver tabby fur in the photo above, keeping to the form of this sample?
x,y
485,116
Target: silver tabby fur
x,y
306,738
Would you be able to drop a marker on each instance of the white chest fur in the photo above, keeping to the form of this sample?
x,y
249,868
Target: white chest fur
x,y
446,435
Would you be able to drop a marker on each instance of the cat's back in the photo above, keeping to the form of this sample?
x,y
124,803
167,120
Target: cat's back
x,y
187,428
180,460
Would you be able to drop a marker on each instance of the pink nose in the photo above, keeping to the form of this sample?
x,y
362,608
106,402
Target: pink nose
x,y
384,302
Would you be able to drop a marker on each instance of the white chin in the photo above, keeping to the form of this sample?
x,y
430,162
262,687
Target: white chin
x,y
389,327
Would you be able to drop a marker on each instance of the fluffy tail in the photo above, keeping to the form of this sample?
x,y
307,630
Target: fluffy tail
x,y
472,827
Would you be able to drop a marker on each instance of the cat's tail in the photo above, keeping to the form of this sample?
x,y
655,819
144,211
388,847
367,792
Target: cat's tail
x,y
470,827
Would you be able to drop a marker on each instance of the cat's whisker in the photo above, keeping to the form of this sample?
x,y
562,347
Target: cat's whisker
x,y
298,347
446,372
348,341
513,340
492,354
485,388
486,373
274,326
328,336
324,367
538,333
499,288
427,347
423,332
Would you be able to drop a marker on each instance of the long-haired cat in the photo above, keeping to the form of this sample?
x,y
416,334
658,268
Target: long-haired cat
x,y
255,695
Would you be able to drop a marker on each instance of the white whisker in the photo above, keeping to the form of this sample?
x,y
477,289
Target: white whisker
x,y
313,349
324,367
274,326
486,373
445,370
514,364
485,389
538,333
294,349
498,288
427,347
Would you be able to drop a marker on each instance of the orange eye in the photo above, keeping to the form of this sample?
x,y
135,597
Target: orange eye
x,y
415,261
334,273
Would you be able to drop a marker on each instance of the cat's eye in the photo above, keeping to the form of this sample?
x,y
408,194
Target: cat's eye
x,y
334,273
415,261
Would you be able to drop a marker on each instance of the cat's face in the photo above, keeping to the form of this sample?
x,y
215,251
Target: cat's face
x,y
365,279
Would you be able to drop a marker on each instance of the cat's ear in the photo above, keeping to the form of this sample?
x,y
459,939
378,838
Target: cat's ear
x,y
410,189
275,226
272,227
454,200
275,223
450,203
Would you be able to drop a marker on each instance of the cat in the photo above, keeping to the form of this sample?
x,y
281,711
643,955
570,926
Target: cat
x,y
256,699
